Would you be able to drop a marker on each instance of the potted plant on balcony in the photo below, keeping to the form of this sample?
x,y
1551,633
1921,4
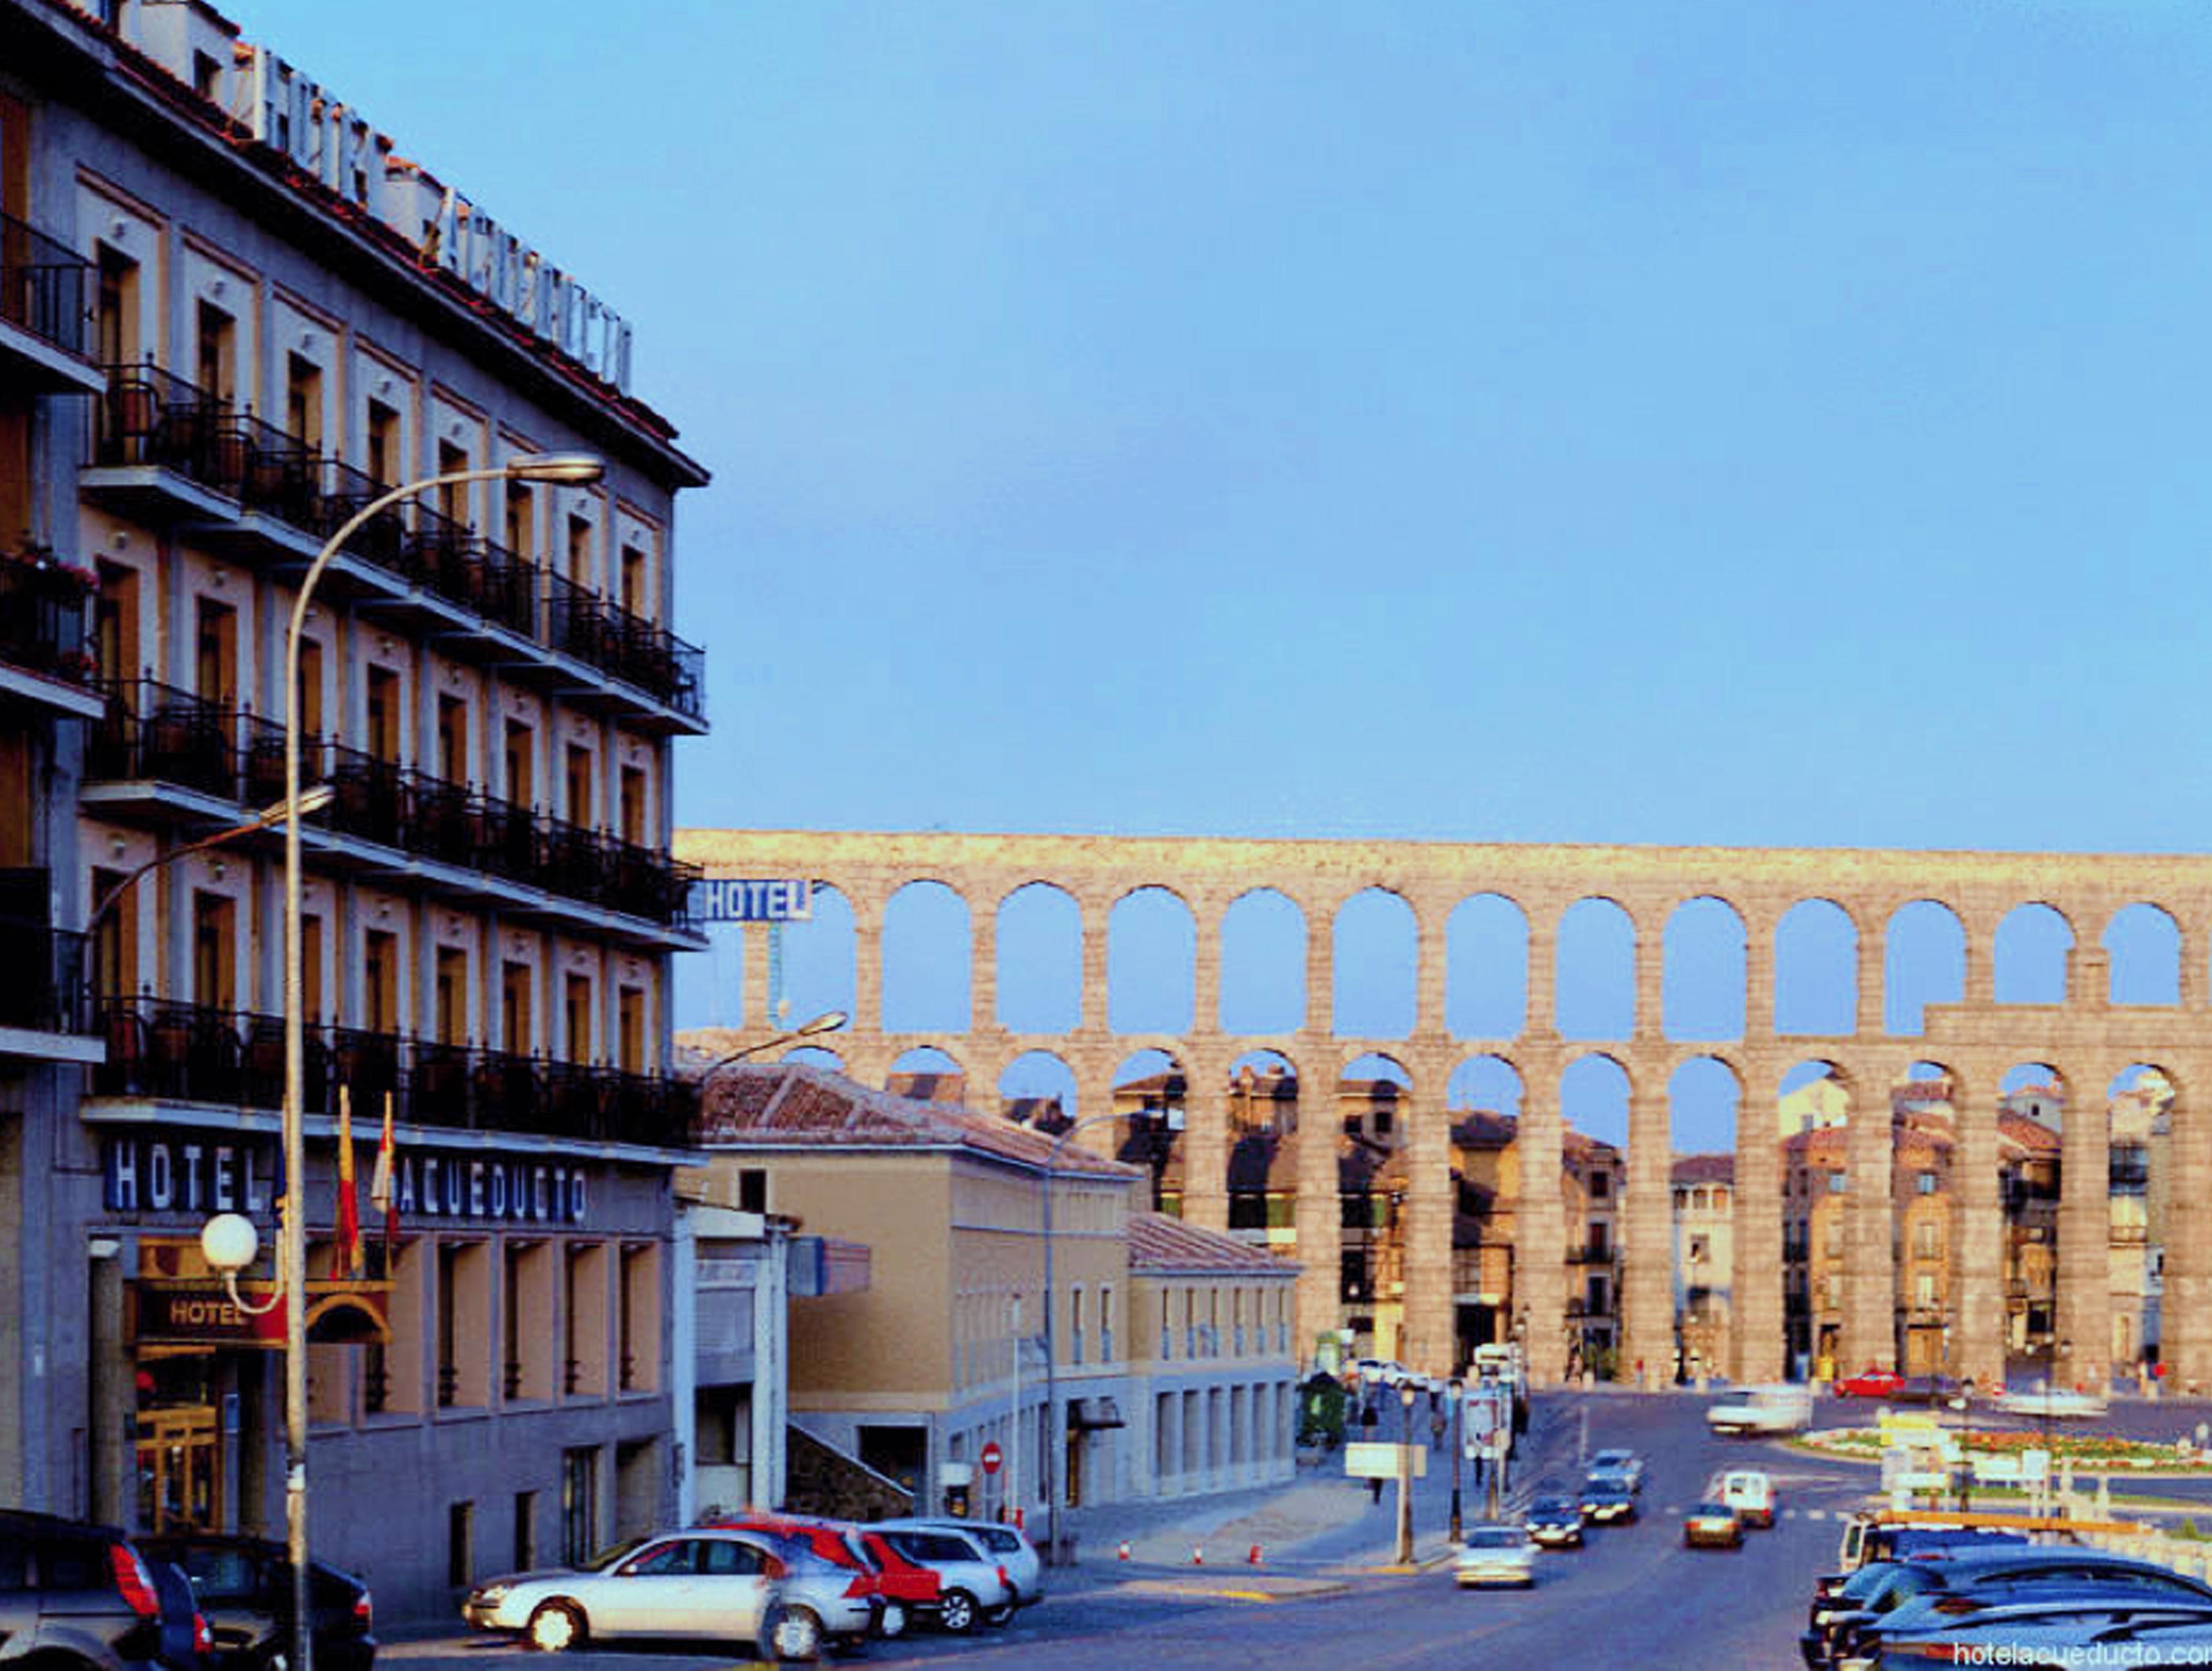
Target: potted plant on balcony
x,y
35,569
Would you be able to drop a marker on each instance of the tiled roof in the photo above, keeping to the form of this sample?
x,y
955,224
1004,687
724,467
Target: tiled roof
x,y
1158,1243
1703,1168
789,1105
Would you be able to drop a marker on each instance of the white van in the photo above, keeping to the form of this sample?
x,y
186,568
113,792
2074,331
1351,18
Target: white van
x,y
1763,1410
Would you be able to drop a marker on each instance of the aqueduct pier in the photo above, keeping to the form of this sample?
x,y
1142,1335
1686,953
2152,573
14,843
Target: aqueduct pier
x,y
2086,1042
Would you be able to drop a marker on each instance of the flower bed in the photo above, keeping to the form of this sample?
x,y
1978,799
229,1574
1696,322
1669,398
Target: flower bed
x,y
2092,1450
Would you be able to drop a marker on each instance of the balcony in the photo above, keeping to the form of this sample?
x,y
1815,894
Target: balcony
x,y
46,308
44,658
605,636
165,1051
153,739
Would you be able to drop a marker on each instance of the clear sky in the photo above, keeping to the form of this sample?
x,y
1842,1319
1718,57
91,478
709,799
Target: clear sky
x,y
1664,421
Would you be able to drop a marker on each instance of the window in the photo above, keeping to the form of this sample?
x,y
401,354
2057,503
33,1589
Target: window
x,y
1600,1186
1600,1239
303,400
382,714
520,527
1924,1291
516,1008
379,980
206,77
453,496
1699,1254
576,1016
215,362
115,622
1075,1324
629,1005
579,785
580,550
521,784
215,921
633,581
311,968
1929,1241
632,806
1835,1181
526,1531
115,315
460,1542
452,994
214,650
115,942
1105,1325
454,740
311,694
752,1189
383,443
1924,1183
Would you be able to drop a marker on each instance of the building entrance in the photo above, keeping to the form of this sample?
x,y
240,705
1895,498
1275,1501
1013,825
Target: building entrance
x,y
179,1456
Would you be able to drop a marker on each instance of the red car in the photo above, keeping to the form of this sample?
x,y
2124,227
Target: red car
x,y
840,1543
1870,1383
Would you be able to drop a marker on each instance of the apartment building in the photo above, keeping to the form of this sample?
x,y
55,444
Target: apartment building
x,y
231,318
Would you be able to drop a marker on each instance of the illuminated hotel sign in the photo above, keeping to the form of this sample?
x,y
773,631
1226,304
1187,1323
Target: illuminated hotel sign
x,y
732,899
335,145
199,1175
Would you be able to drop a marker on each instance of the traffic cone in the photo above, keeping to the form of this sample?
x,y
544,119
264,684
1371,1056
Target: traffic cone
x,y
1123,1553
1253,1560
1197,1555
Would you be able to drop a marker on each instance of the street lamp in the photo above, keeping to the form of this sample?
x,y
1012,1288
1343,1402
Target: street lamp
x,y
267,819
1406,1394
558,469
1457,1391
828,1022
1051,1470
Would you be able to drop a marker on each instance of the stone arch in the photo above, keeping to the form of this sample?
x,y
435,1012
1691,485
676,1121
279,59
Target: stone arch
x,y
1264,1136
1489,1082
1037,958
1374,948
1924,963
2140,1100
1151,937
1816,946
1702,949
1596,960
2143,943
928,1063
1039,1088
927,958
1705,1094
1486,967
2029,954
818,963
1271,996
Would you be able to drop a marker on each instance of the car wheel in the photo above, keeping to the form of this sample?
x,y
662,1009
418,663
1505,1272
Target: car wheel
x,y
998,1615
957,1612
791,1633
554,1627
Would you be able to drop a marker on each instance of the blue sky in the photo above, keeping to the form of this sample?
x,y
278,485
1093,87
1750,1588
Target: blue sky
x,y
1665,423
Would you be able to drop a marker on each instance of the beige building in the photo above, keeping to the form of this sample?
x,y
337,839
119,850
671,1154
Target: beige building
x,y
1705,1257
1172,1369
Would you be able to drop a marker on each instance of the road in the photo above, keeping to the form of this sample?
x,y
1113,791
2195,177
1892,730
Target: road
x,y
1632,1596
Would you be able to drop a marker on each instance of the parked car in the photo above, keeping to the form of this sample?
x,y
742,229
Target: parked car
x,y
1878,1536
76,1594
1749,1492
972,1588
1621,1468
1010,1545
1495,1552
1712,1524
699,1584
1968,1582
1870,1383
2055,1611
2113,1633
1606,1505
2058,1403
838,1542
243,1585
1555,1521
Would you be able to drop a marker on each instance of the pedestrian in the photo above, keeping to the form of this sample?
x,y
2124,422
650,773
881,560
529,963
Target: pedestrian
x,y
1375,1488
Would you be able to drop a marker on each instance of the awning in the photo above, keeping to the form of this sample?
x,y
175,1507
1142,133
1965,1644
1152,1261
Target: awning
x,y
1095,1412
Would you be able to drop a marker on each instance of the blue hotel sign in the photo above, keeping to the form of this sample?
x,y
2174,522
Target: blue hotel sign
x,y
732,899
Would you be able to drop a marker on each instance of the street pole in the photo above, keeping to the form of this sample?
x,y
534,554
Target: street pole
x,y
1458,1395
1011,1508
571,469
1405,1557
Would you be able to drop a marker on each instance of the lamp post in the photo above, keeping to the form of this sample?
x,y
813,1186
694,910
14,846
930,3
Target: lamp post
x,y
1050,1473
267,819
560,469
828,1022
1406,1394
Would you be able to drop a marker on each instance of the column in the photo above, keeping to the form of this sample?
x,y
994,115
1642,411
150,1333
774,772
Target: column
x,y
1095,915
1321,966
1975,1267
1758,979
1319,1210
1870,1319
1543,1018
2085,1223
1540,1233
1755,1317
1205,966
1873,945
2193,967
983,970
1430,1346
2185,1307
867,961
1981,986
753,1006
1204,1138
1647,1239
1432,921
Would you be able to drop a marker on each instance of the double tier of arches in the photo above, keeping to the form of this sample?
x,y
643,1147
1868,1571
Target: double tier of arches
x,y
2117,982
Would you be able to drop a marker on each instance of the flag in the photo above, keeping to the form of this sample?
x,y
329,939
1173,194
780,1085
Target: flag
x,y
345,1249
383,1187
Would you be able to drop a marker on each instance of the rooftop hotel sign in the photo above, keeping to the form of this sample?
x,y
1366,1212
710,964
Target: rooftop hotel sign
x,y
335,145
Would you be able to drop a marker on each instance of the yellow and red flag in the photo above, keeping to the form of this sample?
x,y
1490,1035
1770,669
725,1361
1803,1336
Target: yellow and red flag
x,y
345,1248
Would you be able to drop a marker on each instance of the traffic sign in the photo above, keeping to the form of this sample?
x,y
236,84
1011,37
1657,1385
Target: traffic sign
x,y
992,1457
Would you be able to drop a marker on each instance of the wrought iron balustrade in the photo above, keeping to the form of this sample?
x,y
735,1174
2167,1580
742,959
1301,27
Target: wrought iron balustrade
x,y
45,286
42,618
148,416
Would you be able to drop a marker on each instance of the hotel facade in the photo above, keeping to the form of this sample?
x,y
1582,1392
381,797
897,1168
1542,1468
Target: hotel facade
x,y
232,316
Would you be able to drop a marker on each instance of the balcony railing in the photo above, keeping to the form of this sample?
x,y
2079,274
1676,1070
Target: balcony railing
x,y
45,286
194,1052
149,417
42,624
154,732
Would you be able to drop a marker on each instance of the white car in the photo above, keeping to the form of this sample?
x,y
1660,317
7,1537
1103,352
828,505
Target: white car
x,y
1624,1469
973,1585
1008,1545
1749,1492
2059,1403
694,1585
1493,1553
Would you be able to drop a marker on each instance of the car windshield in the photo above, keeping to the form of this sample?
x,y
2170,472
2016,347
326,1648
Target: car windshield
x,y
1606,1460
1867,1580
614,1552
1713,1511
1553,1505
1495,1537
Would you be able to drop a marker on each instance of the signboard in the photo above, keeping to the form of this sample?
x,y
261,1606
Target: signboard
x,y
1997,1470
201,1313
1366,1461
992,1457
735,899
